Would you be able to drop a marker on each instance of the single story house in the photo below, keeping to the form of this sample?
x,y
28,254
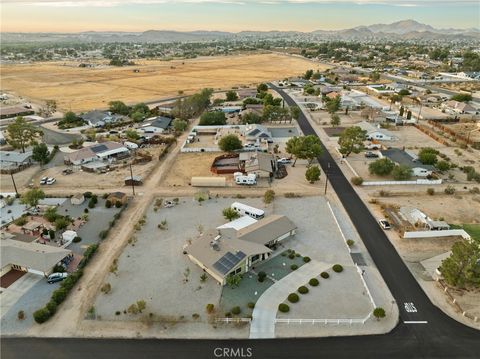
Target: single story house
x,y
14,111
30,257
230,251
98,118
459,107
259,163
246,93
14,159
374,132
156,125
420,220
105,151
255,133
402,157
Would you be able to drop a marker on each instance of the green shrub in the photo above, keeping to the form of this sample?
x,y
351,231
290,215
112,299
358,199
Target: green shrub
x,y
284,308
313,282
87,195
41,315
21,315
350,242
118,204
449,190
85,210
262,276
58,269
210,308
236,310
337,268
20,221
91,204
108,203
51,306
430,191
303,290
284,254
293,267
251,305
103,234
306,259
77,239
291,255
379,313
324,275
293,298
59,295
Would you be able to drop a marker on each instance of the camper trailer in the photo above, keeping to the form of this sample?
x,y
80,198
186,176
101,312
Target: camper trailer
x,y
240,178
245,210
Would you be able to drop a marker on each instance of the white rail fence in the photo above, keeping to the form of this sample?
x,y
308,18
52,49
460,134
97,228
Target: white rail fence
x,y
416,182
322,321
233,320
432,234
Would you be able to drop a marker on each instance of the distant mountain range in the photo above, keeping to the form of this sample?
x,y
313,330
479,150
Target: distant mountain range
x,y
397,31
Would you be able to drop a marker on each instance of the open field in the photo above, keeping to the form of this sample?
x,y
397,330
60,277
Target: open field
x,y
81,89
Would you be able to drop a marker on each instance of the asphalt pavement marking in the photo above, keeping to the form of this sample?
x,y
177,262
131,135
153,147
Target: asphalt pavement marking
x,y
415,322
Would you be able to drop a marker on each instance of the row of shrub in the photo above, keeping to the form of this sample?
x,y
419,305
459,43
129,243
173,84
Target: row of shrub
x,y
58,296
104,233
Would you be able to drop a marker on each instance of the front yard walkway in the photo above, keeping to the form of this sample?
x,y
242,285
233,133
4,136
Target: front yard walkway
x,y
265,311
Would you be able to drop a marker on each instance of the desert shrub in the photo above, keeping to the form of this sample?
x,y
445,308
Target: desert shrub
x,y
350,242
20,221
118,312
41,315
103,234
379,313
106,288
449,190
108,203
284,308
430,191
284,254
306,259
210,308
337,268
313,282
21,315
475,190
293,298
303,290
236,310
291,255
357,181
77,239
251,305
87,194
293,267
324,275
118,204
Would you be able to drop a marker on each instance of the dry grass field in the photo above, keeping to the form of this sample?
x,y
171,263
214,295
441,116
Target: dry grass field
x,y
81,89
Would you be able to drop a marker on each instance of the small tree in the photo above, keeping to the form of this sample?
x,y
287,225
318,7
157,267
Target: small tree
x,y
379,313
402,110
409,115
428,156
381,167
442,166
233,281
230,143
21,133
141,305
212,118
461,269
119,107
335,120
132,134
231,96
32,197
180,125
40,153
312,174
230,214
402,173
351,140
268,196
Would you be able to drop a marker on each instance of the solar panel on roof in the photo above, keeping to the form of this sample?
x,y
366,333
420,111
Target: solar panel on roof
x,y
99,148
254,132
228,261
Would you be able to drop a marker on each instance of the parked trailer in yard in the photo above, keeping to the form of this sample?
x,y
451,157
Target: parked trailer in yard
x,y
209,182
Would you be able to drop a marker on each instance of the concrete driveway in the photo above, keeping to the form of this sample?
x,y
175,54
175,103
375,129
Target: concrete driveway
x,y
13,293
265,311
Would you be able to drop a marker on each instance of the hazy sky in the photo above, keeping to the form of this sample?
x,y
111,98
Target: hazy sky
x,y
229,15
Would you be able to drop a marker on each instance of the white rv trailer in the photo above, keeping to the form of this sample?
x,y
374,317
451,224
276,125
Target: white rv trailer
x,y
246,210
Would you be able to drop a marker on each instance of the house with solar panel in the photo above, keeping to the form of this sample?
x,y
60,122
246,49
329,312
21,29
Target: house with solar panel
x,y
231,250
106,152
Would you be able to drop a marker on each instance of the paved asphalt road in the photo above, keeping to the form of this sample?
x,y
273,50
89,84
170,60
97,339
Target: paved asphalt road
x,y
438,336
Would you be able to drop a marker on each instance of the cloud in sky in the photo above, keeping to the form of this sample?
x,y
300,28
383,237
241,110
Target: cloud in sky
x,y
112,3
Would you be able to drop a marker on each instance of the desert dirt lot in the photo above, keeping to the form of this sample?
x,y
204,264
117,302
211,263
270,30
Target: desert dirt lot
x,y
81,89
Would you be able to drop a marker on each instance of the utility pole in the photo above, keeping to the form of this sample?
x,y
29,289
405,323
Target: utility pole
x,y
326,179
131,179
14,185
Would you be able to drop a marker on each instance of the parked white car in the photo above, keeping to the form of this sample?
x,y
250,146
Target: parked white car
x,y
284,160
43,180
384,224
50,181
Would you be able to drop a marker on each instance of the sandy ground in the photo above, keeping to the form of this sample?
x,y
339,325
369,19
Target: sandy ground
x,y
22,179
188,165
81,89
